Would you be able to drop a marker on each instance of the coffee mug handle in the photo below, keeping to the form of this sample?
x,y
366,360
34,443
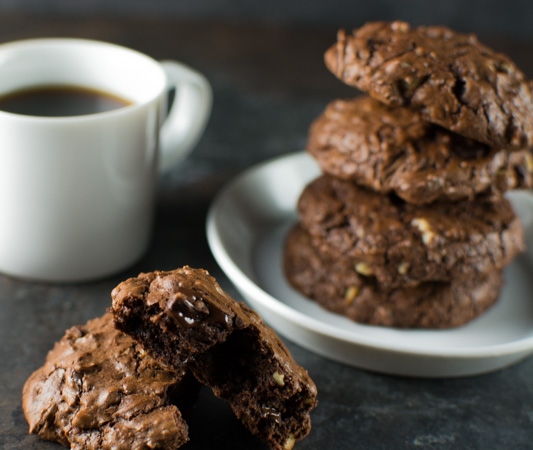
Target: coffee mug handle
x,y
188,113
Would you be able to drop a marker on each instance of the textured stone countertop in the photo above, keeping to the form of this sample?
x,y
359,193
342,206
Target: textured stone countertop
x,y
269,84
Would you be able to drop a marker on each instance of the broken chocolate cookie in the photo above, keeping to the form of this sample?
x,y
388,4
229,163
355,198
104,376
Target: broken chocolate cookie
x,y
185,319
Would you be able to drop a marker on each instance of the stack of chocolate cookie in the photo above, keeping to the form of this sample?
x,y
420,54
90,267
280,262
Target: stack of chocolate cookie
x,y
408,226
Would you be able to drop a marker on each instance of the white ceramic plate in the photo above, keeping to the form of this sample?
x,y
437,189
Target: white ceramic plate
x,y
246,226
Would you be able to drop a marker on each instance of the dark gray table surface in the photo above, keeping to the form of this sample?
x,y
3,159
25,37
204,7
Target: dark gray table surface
x,y
269,84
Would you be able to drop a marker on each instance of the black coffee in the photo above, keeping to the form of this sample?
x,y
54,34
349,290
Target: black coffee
x,y
60,101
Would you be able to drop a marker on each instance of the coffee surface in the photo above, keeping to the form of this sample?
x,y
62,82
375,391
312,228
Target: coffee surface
x,y
60,101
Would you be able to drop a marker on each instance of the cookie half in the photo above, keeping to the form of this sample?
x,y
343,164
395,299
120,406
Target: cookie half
x,y
402,244
336,286
98,389
185,319
391,149
450,78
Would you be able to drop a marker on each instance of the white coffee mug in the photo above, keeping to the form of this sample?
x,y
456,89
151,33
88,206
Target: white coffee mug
x,y
77,192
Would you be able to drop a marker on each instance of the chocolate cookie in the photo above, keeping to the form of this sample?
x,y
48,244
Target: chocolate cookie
x,y
391,149
402,244
100,390
184,318
450,78
335,285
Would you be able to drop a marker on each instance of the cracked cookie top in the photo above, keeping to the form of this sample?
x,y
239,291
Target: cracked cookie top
x,y
450,78
389,149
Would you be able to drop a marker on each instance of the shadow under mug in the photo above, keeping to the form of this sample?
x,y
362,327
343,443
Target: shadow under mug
x,y
77,192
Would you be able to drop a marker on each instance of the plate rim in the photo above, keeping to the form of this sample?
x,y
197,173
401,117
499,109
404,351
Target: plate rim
x,y
267,300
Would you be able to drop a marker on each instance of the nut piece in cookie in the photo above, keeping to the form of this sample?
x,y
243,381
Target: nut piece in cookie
x,y
185,319
100,390
450,78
